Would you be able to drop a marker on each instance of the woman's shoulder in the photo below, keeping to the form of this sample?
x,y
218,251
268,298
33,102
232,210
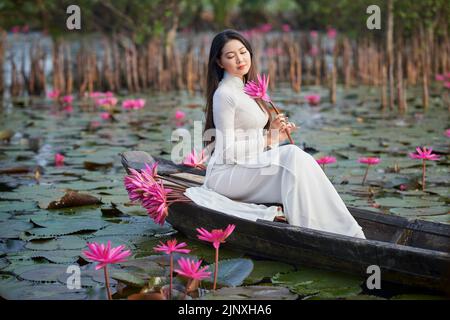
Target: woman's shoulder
x,y
224,93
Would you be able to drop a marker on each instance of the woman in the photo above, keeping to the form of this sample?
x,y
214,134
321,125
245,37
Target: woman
x,y
248,163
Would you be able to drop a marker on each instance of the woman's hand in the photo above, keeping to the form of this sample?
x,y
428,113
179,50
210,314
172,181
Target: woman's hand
x,y
279,129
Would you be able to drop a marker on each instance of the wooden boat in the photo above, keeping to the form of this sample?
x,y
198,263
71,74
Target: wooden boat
x,y
411,252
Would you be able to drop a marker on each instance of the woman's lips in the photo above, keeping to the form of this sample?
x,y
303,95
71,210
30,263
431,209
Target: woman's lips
x,y
241,67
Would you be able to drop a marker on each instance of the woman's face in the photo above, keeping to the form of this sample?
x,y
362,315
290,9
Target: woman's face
x,y
235,58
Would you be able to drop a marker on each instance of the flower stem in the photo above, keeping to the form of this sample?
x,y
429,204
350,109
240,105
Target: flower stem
x,y
423,174
323,167
216,269
365,175
171,276
287,132
172,180
108,290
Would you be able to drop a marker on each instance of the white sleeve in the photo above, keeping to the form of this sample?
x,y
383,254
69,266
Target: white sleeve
x,y
235,145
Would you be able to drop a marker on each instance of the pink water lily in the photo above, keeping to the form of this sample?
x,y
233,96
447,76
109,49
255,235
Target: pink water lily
x,y
156,202
196,160
137,182
169,248
147,187
331,33
314,51
425,155
67,99
313,34
447,133
440,77
216,237
326,160
105,115
370,161
265,28
106,102
447,85
179,115
106,255
258,90
59,159
286,28
313,99
133,104
191,269
54,94
68,108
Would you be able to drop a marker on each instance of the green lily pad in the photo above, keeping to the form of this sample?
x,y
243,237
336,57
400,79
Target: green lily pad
x,y
129,278
12,228
43,273
232,272
266,269
412,212
319,283
63,243
408,202
251,293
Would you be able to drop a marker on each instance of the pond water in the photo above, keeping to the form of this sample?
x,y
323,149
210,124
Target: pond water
x,y
37,245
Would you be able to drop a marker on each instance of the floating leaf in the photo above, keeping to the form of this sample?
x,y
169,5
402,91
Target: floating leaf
x,y
324,284
266,269
232,272
251,293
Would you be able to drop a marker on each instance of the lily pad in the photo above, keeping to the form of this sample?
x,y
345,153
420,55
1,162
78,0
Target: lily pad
x,y
263,269
251,293
408,202
319,283
413,212
232,272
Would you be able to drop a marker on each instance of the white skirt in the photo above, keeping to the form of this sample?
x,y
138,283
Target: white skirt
x,y
292,177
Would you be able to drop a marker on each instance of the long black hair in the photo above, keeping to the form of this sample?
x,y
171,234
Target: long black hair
x,y
215,73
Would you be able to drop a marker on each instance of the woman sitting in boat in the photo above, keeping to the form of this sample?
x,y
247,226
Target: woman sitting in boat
x,y
248,162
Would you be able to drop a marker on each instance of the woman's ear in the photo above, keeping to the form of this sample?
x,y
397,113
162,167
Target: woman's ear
x,y
219,64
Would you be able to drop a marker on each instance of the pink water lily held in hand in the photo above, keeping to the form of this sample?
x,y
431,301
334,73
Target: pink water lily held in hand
x,y
195,160
191,269
425,155
370,161
258,90
59,159
106,255
313,99
216,237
